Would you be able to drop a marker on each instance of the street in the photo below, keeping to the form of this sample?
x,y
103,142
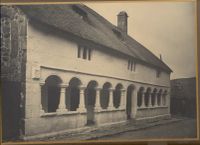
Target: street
x,y
182,129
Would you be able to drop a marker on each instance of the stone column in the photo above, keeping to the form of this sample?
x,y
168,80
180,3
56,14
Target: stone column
x,y
97,100
156,99
122,99
62,105
85,52
80,55
110,105
143,103
81,107
135,99
150,103
168,97
161,100
41,109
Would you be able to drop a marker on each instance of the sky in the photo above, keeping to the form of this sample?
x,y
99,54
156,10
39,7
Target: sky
x,y
166,28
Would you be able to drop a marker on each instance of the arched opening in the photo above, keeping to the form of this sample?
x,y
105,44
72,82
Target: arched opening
x,y
147,97
117,95
90,98
153,97
139,96
51,93
164,98
129,97
159,97
104,95
73,94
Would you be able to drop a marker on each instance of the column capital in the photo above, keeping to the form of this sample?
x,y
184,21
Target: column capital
x,y
123,90
98,88
111,89
64,85
82,87
42,83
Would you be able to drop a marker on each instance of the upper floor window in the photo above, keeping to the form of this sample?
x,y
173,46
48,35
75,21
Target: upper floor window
x,y
131,65
84,52
158,73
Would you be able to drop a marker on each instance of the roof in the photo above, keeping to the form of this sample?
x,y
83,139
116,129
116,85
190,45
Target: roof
x,y
84,22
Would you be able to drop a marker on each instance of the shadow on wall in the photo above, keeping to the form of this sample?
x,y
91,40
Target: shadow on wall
x,y
10,110
183,97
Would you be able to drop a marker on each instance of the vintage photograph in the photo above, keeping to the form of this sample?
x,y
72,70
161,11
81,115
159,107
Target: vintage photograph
x,y
99,71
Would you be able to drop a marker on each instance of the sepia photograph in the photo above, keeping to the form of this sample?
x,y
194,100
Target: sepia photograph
x,y
105,71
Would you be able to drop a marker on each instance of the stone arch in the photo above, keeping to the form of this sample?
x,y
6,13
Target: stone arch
x,y
159,97
117,95
90,93
139,96
51,93
104,95
153,97
129,98
90,99
73,95
147,96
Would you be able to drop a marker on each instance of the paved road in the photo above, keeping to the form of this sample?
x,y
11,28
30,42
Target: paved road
x,y
181,129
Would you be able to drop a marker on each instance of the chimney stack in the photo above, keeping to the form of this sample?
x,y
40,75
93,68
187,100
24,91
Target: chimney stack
x,y
122,21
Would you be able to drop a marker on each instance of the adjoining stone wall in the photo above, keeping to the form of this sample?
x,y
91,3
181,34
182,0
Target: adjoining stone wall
x,y
13,60
13,44
183,97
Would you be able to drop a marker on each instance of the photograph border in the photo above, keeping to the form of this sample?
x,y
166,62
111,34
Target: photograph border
x,y
135,141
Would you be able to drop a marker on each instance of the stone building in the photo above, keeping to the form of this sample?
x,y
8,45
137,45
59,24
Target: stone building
x,y
65,67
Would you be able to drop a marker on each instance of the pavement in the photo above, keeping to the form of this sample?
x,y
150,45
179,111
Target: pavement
x,y
115,131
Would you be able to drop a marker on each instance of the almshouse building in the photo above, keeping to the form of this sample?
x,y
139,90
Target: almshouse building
x,y
70,68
